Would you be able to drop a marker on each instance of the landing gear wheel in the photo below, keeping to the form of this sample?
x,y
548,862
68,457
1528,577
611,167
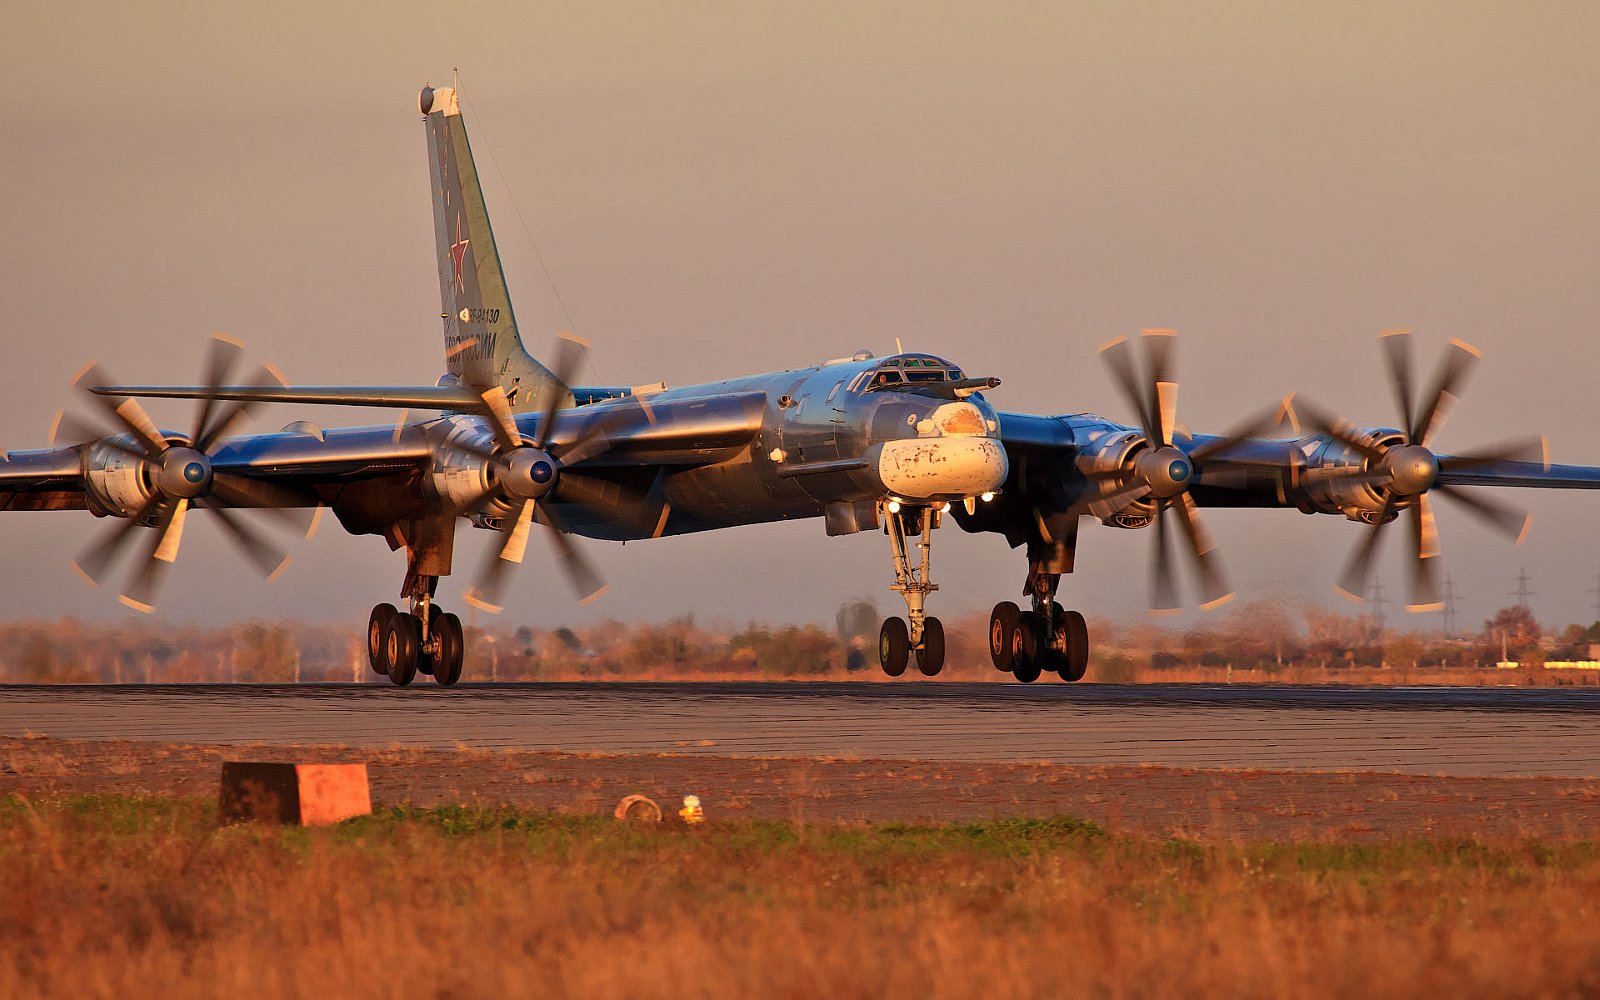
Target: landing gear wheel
x,y
1025,647
452,649
1075,661
894,646
377,625
1001,622
930,658
401,636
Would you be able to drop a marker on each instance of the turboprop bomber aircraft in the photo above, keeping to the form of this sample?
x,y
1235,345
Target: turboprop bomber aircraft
x,y
894,444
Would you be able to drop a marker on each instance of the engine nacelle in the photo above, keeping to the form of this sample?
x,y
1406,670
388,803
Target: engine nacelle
x,y
1320,492
456,476
1108,450
114,482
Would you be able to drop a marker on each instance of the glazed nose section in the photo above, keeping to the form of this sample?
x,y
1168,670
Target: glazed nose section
x,y
942,468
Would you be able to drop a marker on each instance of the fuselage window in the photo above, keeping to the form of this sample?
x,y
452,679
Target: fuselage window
x,y
835,390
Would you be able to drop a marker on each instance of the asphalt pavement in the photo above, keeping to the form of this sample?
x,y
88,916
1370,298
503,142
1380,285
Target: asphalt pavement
x,y
1457,731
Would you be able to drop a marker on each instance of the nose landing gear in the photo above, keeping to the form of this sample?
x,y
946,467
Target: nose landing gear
x,y
918,632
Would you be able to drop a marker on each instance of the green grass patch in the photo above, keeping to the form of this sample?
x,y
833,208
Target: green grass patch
x,y
1016,839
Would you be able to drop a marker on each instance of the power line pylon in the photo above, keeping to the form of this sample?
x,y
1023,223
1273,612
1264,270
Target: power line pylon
x,y
1522,593
1378,604
1450,598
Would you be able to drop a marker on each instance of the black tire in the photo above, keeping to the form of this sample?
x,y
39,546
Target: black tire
x,y
377,627
930,658
1001,621
452,649
401,639
894,646
1077,656
1025,647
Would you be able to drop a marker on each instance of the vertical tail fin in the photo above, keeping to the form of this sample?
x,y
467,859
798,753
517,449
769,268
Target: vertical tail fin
x,y
482,346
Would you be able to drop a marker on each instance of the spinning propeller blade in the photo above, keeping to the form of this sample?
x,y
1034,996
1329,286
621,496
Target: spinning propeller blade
x,y
1161,472
1408,474
603,498
167,509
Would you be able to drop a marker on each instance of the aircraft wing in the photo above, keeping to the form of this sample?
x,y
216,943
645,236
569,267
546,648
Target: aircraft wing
x,y
1533,475
41,480
414,397
309,466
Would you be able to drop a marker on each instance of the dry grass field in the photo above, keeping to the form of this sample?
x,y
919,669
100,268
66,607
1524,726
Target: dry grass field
x,y
128,896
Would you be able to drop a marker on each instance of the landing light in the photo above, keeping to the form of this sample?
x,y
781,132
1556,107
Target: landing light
x,y
987,497
894,506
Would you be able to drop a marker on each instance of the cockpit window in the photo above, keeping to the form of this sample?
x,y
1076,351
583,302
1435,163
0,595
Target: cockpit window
x,y
917,370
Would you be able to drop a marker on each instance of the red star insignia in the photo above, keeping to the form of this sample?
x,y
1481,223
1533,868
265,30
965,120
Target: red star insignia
x,y
458,253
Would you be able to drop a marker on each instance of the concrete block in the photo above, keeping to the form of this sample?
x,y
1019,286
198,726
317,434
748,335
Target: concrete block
x,y
300,794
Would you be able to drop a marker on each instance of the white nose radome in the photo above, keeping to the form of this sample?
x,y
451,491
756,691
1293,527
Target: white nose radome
x,y
959,419
942,468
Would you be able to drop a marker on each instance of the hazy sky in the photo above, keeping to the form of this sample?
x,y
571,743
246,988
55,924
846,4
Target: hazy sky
x,y
722,189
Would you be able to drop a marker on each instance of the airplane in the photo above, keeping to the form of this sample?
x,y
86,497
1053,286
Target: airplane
x,y
893,444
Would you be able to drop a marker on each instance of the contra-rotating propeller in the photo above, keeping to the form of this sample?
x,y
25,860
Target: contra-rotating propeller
x,y
525,474
179,477
1406,474
1162,473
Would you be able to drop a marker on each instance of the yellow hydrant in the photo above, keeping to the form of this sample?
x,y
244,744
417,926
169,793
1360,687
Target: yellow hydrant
x,y
691,812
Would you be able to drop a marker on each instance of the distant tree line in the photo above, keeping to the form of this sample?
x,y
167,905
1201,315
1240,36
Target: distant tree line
x,y
1263,638
1272,637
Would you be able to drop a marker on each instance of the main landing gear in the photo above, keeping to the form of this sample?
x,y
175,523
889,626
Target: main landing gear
x,y
917,633
1046,637
426,639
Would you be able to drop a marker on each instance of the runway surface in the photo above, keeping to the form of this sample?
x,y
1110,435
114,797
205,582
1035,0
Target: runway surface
x,y
1458,731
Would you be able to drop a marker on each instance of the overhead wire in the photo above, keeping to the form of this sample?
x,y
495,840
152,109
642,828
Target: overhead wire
x,y
527,231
